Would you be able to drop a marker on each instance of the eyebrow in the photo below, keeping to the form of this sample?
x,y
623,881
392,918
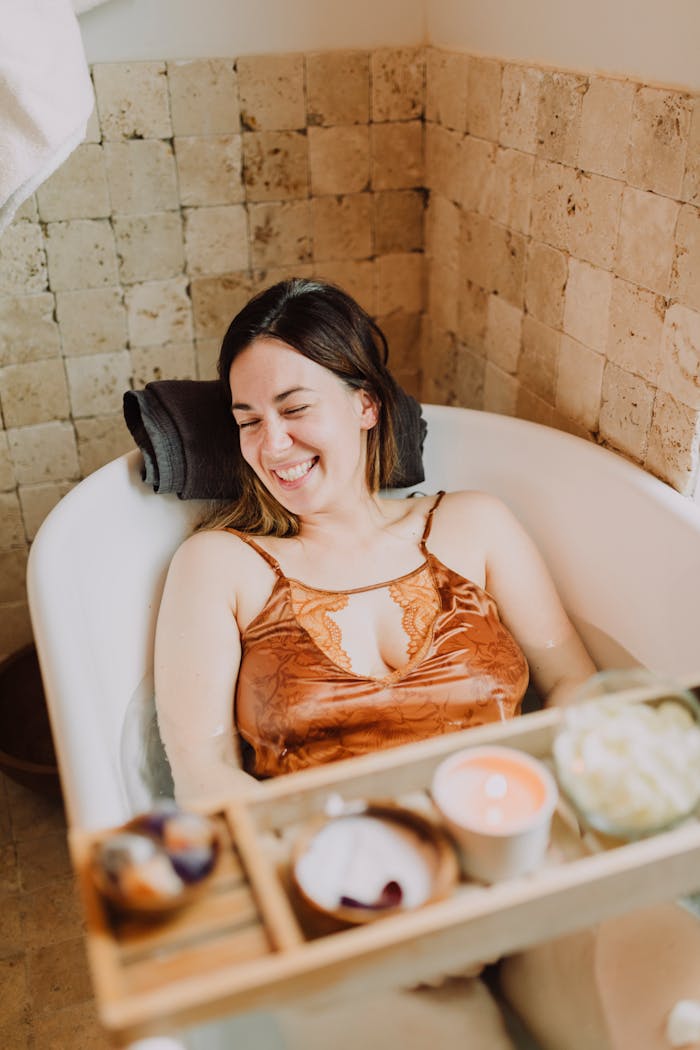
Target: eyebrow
x,y
242,406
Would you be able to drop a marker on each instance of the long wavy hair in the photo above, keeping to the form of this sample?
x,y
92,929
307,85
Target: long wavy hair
x,y
328,327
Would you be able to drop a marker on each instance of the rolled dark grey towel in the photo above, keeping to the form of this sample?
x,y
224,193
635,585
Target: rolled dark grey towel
x,y
189,441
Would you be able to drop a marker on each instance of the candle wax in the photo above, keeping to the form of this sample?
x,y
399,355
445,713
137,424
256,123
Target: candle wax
x,y
493,794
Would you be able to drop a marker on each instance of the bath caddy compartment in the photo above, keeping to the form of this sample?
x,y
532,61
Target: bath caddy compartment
x,y
243,945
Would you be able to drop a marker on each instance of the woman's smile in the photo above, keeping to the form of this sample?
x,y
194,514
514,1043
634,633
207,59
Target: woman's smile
x,y
290,476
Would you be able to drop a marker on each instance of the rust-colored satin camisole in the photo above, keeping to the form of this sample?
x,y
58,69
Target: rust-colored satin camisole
x,y
298,702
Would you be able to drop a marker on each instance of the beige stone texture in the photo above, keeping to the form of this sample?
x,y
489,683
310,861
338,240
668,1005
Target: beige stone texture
x,y
216,301
520,96
529,405
503,334
271,92
38,500
606,117
276,165
78,189
493,257
398,217
674,443
337,87
33,393
142,177
691,180
645,244
216,239
445,164
355,276
13,570
446,88
263,279
169,361
587,304
27,210
439,365
22,260
474,179
132,100
207,356
92,132
579,383
398,83
403,335
149,247
468,379
92,320
680,372
204,96
97,382
484,77
341,226
685,275
280,233
472,316
658,140
559,116
397,156
7,474
11,524
339,159
553,191
636,327
443,295
209,169
475,263
158,312
45,452
28,330
400,283
546,274
576,212
102,439
625,411
539,359
510,189
443,220
81,254
500,391
15,633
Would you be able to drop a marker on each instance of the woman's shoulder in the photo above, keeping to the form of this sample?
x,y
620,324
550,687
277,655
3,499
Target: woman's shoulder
x,y
211,550
474,502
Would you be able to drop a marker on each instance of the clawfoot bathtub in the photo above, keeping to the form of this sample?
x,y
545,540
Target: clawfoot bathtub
x,y
624,550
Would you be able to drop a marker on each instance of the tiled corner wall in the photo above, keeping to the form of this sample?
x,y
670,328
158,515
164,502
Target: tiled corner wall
x,y
199,183
563,239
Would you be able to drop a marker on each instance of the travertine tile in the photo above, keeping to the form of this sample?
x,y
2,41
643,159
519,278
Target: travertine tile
x,y
104,438
58,976
500,391
398,220
443,221
27,210
507,253
636,326
97,382
446,168
13,572
579,383
606,117
691,180
439,364
339,159
72,1026
204,96
594,213
158,312
397,156
92,320
503,334
398,83
38,500
78,189
509,192
280,233
685,275
210,169
354,276
51,914
446,88
216,239
546,274
625,411
559,116
400,283
658,140
13,985
15,632
7,474
674,443
553,189
342,227
472,316
337,87
275,165
443,300
170,361
81,254
141,177
587,304
22,260
271,92
403,335
529,405
11,524
645,245
28,330
216,301
680,372
475,177
132,100
10,927
207,357
33,393
92,132
45,452
475,255
484,77
539,359
468,379
520,95
149,247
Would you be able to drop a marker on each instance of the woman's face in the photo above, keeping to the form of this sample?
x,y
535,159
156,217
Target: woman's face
x,y
302,430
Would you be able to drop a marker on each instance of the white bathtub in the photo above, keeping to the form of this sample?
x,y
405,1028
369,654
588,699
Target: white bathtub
x,y
624,550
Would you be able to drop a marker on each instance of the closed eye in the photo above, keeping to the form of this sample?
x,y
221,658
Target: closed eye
x,y
294,411
248,423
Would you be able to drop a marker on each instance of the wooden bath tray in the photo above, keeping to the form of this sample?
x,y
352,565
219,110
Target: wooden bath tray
x,y
242,946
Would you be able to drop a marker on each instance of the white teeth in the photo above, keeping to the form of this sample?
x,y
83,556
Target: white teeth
x,y
294,473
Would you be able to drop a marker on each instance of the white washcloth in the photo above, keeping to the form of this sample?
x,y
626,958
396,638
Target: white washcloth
x,y
46,95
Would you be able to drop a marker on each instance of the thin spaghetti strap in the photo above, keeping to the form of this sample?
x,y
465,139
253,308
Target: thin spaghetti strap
x,y
429,520
275,565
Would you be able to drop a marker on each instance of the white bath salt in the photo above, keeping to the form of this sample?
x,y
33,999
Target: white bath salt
x,y
356,856
634,765
683,1024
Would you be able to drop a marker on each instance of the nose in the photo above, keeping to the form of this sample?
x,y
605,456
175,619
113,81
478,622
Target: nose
x,y
276,437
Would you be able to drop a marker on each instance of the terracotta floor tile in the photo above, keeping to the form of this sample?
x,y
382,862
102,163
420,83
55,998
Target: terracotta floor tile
x,y
13,989
43,860
16,1034
58,976
32,815
51,914
73,1028
10,925
9,873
